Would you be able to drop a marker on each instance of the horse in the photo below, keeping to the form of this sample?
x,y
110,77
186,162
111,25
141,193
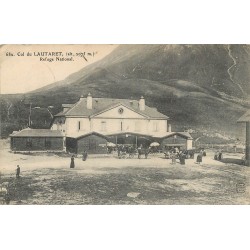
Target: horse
x,y
122,151
131,152
144,151
126,152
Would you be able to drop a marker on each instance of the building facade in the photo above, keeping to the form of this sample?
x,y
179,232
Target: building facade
x,y
246,119
92,122
37,140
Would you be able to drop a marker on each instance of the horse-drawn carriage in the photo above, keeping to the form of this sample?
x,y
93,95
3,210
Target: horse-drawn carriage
x,y
128,152
189,154
125,152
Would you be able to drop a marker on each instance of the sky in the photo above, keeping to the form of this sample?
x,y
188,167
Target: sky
x,y
21,73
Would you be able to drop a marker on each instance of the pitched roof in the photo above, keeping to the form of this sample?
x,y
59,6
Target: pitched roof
x,y
245,117
129,133
162,135
88,134
67,105
183,134
28,132
101,104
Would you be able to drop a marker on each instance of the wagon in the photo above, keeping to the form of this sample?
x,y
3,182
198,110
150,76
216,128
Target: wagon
x,y
125,155
127,151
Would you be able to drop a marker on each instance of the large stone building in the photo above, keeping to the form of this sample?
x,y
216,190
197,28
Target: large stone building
x,y
92,122
246,119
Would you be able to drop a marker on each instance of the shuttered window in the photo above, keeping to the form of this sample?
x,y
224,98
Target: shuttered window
x,y
103,126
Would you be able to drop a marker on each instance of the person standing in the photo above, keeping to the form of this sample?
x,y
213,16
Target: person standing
x,y
199,158
84,155
147,151
167,155
220,155
182,158
191,154
216,155
173,157
176,150
119,151
72,163
18,171
139,151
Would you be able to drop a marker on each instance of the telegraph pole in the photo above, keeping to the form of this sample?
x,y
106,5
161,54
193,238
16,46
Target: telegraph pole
x,y
30,116
248,143
246,119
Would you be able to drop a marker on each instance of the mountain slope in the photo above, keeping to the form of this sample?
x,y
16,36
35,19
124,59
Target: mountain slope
x,y
206,65
197,86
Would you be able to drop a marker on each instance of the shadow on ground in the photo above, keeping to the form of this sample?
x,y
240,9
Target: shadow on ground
x,y
233,161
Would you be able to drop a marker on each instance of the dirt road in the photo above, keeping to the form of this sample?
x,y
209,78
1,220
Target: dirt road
x,y
47,179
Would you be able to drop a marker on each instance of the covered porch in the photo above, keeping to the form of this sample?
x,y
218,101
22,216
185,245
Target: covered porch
x,y
131,139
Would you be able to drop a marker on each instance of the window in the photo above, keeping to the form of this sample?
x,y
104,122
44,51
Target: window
x,y
103,126
155,126
79,125
28,143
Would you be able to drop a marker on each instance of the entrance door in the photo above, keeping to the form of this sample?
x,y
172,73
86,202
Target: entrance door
x,y
92,146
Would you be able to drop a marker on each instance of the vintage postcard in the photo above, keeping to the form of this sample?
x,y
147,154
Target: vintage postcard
x,y
125,124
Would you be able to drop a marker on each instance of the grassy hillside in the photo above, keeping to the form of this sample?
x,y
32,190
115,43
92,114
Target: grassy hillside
x,y
197,86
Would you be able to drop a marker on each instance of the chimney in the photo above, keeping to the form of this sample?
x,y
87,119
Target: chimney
x,y
142,104
169,128
89,101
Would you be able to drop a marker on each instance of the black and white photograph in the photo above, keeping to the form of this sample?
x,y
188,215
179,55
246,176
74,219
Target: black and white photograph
x,y
124,125
129,124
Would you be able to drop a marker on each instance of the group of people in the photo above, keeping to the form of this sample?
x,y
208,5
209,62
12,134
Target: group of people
x,y
143,151
84,158
175,154
218,155
130,151
179,155
123,150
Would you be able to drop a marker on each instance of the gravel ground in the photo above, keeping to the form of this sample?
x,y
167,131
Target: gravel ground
x,y
47,179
